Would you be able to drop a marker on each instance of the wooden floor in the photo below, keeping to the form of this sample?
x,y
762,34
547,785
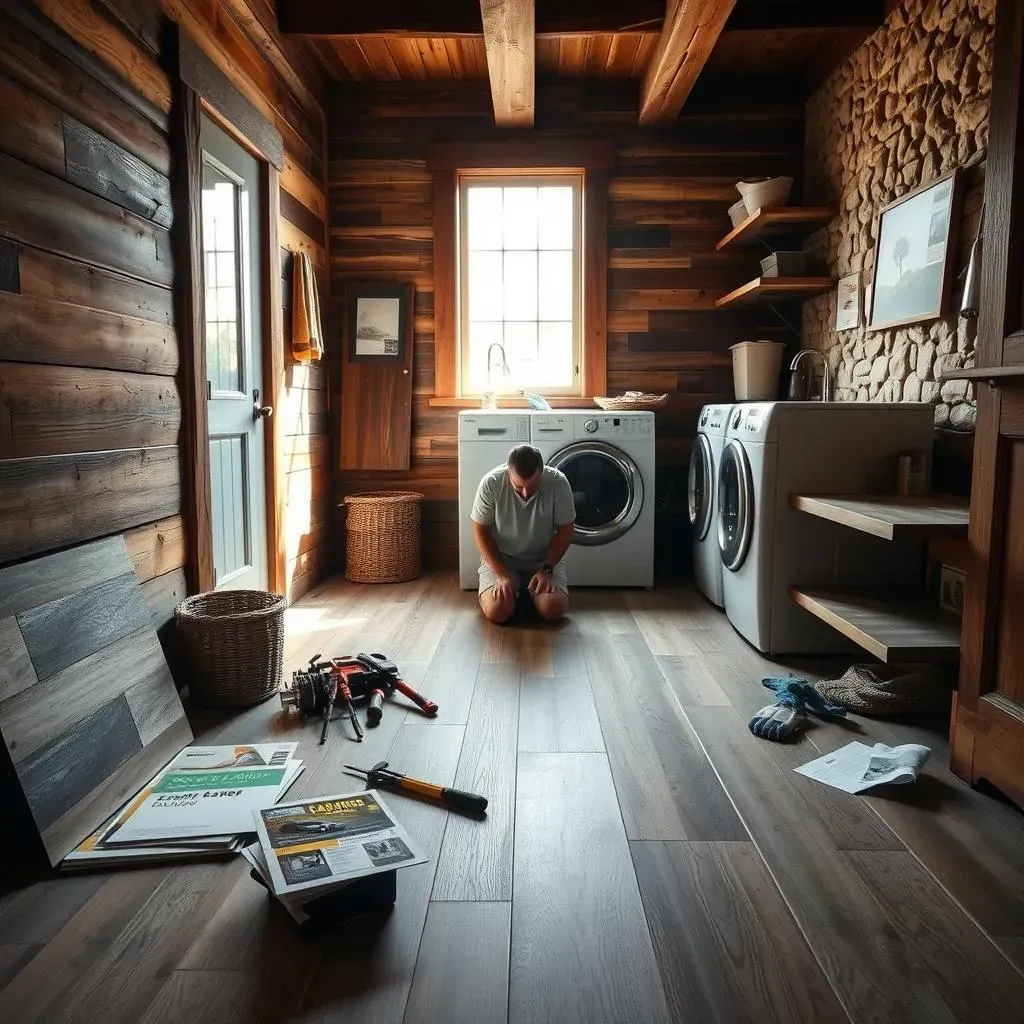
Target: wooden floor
x,y
644,859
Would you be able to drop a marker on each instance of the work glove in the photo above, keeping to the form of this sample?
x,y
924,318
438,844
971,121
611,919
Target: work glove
x,y
779,721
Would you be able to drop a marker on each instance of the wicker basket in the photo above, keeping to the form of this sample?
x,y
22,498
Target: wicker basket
x,y
632,401
234,642
382,536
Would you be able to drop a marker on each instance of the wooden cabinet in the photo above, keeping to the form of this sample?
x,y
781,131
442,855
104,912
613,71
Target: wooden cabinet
x,y
987,729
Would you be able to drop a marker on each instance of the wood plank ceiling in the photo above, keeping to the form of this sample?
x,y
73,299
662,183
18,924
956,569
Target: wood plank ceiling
x,y
413,41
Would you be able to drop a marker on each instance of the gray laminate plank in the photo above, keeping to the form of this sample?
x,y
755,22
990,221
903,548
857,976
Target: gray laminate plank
x,y
64,771
366,971
451,675
878,971
13,958
37,913
581,950
16,671
53,576
462,971
476,856
557,713
216,997
666,787
728,947
67,630
693,681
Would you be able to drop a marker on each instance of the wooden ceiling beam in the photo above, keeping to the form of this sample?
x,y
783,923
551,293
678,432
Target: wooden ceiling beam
x,y
511,59
806,14
691,29
452,18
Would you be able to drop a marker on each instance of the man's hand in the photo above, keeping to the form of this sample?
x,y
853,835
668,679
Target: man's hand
x,y
504,590
542,583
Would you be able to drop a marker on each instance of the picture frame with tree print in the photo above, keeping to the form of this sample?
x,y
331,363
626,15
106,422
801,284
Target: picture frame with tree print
x,y
915,239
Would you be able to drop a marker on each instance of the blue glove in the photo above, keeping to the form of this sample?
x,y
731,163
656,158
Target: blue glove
x,y
780,720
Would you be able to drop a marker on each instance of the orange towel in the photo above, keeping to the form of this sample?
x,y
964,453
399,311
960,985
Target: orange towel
x,y
307,329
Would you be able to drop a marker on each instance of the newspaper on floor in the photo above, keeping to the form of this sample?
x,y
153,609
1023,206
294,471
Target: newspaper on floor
x,y
321,843
207,791
857,766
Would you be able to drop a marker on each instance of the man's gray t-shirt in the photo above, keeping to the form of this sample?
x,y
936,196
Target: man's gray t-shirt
x,y
523,529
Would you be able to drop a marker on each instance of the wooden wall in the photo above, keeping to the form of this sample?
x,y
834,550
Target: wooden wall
x,y
90,395
668,198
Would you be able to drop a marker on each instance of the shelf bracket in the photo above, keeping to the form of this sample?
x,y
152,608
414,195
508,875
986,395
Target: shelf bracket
x,y
775,309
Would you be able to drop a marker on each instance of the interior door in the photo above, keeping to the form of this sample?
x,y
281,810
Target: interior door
x,y
987,731
236,413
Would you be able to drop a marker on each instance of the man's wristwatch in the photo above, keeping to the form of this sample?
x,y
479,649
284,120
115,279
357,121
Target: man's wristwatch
x,y
547,568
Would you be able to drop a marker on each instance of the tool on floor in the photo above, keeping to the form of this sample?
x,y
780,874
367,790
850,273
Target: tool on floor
x,y
315,690
389,670
779,721
380,776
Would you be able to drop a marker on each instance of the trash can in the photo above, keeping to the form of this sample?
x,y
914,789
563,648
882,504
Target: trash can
x,y
755,370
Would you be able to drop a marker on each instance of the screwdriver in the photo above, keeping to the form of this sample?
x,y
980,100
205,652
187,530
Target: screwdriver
x,y
455,799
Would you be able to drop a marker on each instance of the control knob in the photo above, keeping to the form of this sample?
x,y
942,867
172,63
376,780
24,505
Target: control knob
x,y
590,426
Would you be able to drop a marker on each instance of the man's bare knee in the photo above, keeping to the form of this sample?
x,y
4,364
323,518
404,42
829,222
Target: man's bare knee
x,y
551,606
495,609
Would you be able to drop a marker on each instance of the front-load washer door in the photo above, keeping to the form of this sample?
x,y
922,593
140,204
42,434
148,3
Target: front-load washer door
x,y
607,490
700,487
735,506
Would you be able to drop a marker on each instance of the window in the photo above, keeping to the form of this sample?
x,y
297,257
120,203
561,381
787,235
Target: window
x,y
520,283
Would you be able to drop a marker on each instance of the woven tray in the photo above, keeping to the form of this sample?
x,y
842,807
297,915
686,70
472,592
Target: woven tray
x,y
382,536
632,401
234,641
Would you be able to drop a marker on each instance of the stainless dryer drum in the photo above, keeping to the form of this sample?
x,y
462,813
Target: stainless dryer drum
x,y
608,490
735,506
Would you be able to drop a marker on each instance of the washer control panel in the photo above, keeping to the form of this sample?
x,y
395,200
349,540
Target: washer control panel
x,y
623,425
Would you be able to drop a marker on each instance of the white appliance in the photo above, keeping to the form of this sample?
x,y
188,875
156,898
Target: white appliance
x,y
609,460
702,494
485,438
776,449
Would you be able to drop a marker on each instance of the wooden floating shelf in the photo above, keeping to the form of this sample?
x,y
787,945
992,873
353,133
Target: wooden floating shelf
x,y
776,288
779,220
891,516
892,624
986,373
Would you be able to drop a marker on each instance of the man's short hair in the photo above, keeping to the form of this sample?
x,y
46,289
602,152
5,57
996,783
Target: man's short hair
x,y
525,460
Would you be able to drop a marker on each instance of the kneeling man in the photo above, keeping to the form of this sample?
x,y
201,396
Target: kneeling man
x,y
523,519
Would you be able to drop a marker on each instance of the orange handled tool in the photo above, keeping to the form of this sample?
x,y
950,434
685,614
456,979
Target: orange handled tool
x,y
379,777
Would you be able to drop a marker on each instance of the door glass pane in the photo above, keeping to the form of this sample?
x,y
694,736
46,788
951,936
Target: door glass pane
x,y
600,489
520,217
485,285
222,265
555,286
521,286
484,218
520,353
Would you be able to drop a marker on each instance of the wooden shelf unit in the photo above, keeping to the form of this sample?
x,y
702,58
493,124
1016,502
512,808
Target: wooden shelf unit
x,y
982,373
779,220
891,516
776,288
891,624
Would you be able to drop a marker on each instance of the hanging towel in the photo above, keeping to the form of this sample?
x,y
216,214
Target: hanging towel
x,y
307,330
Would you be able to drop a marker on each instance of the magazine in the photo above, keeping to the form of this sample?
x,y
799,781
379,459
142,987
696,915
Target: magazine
x,y
93,851
318,844
206,791
857,766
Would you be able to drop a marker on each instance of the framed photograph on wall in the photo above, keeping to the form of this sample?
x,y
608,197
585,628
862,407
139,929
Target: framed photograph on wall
x,y
378,318
848,307
914,245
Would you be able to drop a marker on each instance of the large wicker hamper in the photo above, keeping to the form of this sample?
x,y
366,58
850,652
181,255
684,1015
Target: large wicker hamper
x,y
233,641
382,531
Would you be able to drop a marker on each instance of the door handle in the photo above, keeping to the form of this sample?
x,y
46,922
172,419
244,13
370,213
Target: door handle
x,y
260,411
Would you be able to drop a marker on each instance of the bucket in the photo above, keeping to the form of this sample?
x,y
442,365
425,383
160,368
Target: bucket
x,y
755,370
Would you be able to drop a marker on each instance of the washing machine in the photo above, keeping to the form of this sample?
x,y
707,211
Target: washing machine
x,y
776,449
702,491
485,438
609,460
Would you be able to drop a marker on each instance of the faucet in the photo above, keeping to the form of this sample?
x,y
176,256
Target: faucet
x,y
489,401
826,383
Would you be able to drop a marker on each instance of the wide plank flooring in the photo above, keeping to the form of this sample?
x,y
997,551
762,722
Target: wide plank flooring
x,y
644,858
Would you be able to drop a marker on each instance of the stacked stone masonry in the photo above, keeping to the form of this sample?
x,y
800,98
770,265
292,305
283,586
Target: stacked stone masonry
x,y
910,104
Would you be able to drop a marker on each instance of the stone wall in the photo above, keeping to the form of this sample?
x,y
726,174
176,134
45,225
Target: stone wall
x,y
910,104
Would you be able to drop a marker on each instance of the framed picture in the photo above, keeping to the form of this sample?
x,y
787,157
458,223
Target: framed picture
x,y
951,590
848,307
378,322
915,241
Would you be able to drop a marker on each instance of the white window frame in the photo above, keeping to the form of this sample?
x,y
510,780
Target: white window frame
x,y
575,179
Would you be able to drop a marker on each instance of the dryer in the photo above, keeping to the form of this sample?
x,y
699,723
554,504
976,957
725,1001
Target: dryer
x,y
702,504
609,460
485,438
776,449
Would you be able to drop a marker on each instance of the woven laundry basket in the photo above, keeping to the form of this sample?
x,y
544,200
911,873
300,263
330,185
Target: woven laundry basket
x,y
234,643
382,530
